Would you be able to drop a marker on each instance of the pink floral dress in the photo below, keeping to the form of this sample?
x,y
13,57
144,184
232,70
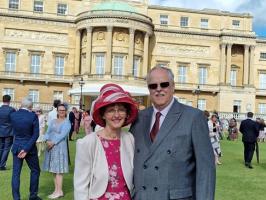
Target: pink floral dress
x,y
117,187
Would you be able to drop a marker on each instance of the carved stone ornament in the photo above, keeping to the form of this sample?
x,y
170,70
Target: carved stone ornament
x,y
138,39
120,36
35,35
183,50
100,35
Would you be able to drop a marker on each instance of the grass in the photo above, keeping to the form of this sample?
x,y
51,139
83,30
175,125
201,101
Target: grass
x,y
234,181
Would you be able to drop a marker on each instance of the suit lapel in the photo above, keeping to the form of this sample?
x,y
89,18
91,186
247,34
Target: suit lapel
x,y
170,120
147,125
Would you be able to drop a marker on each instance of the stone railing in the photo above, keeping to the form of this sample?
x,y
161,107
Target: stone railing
x,y
239,116
22,76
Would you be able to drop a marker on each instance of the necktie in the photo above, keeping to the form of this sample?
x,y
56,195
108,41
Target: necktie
x,y
155,127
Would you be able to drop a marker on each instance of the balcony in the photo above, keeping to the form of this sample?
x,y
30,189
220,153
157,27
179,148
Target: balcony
x,y
38,77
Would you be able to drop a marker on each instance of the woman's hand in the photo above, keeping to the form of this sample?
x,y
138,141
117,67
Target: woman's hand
x,y
49,144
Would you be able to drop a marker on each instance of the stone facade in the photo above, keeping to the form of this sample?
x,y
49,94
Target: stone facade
x,y
218,61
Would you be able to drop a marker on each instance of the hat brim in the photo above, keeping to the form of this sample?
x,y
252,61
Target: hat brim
x,y
133,112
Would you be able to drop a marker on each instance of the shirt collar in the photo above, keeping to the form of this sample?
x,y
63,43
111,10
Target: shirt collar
x,y
165,110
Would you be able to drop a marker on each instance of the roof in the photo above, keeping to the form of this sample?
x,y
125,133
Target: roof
x,y
114,5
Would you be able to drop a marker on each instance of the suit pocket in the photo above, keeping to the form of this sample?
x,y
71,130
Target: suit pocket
x,y
185,193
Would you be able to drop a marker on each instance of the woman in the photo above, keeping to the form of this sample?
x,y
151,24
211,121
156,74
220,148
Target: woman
x,y
214,137
86,122
104,159
40,141
56,154
232,129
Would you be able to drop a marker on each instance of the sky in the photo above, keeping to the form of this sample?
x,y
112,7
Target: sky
x,y
257,8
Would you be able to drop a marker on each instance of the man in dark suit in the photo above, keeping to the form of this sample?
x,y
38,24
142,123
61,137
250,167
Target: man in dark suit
x,y
26,131
6,133
250,132
173,158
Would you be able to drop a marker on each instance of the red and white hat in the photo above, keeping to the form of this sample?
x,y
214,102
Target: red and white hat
x,y
110,94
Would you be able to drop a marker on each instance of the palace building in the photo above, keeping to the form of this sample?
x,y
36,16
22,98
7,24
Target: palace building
x,y
59,49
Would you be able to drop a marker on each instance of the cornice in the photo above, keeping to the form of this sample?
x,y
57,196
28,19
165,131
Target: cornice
x,y
39,18
114,14
205,34
203,11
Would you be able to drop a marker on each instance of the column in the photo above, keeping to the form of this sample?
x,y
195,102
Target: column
x,y
109,50
77,52
246,64
131,52
88,50
146,54
228,63
222,66
251,66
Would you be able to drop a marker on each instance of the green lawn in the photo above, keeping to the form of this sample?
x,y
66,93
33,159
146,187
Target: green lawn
x,y
234,181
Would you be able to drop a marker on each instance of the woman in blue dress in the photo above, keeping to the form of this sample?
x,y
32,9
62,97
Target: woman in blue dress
x,y
56,154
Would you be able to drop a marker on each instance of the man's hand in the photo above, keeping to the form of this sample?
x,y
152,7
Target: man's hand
x,y
22,154
49,144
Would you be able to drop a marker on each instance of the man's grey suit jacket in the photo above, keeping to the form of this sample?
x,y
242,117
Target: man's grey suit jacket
x,y
179,164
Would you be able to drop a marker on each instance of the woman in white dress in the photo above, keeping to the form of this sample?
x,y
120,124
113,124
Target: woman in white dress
x,y
40,141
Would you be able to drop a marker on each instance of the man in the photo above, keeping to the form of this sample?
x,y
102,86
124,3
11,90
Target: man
x,y
53,113
178,161
250,132
26,131
6,133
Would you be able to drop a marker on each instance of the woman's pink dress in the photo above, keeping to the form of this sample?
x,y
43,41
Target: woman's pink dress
x,y
117,187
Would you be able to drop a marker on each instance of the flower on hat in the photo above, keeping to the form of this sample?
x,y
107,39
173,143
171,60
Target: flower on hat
x,y
112,94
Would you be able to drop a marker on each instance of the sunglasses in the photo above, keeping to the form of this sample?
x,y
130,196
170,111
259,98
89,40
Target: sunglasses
x,y
154,86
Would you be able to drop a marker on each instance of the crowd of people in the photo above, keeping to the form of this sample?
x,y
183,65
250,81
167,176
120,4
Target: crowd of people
x,y
170,150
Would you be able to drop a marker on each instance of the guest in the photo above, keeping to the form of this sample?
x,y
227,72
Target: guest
x,y
86,122
74,118
6,132
214,137
56,154
40,141
26,132
53,113
250,132
232,130
104,159
261,123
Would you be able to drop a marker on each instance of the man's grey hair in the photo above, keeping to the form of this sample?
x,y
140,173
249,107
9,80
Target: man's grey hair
x,y
26,103
168,70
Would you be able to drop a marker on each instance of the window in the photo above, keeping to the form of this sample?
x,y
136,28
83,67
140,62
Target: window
x,y
61,9
262,55
76,99
233,77
10,92
136,65
10,64
99,63
58,95
34,95
262,108
202,75
38,6
118,64
182,74
236,23
13,4
164,19
184,21
162,63
204,23
59,65
35,64
202,104
182,100
262,81
237,106
189,103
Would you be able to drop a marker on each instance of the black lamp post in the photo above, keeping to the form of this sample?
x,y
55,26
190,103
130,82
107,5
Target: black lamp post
x,y
197,92
81,83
